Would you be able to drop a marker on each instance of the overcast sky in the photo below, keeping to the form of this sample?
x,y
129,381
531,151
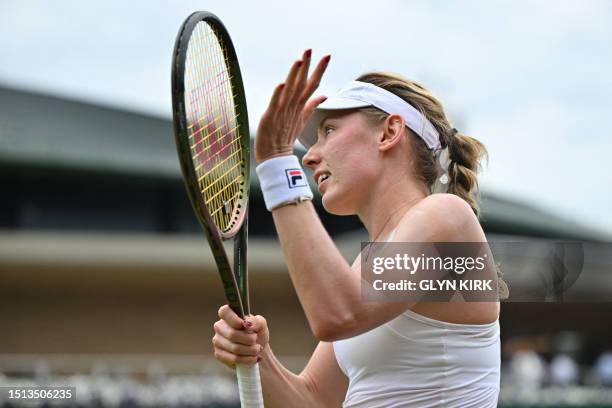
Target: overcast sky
x,y
530,79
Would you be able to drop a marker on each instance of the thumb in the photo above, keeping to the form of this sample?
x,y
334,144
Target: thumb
x,y
312,104
255,324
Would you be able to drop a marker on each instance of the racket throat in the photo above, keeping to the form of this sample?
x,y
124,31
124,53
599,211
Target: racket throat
x,y
240,265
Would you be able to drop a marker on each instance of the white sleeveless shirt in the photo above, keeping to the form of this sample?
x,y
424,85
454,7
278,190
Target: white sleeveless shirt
x,y
416,361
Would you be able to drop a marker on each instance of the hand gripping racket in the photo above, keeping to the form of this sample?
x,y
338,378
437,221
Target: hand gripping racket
x,y
212,138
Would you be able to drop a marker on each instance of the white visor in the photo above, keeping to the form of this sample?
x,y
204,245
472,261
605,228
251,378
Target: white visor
x,y
361,94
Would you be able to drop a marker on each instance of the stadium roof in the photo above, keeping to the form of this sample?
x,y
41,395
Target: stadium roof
x,y
43,131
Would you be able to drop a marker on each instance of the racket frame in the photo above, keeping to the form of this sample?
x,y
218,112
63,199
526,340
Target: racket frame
x,y
235,279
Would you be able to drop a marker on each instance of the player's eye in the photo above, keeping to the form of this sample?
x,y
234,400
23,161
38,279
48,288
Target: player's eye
x,y
327,129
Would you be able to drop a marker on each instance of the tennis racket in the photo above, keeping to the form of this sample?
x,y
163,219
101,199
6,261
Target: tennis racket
x,y
212,138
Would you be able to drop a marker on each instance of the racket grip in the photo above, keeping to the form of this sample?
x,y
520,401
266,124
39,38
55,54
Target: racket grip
x,y
249,385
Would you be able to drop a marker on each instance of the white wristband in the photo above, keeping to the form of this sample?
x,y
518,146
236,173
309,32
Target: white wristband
x,y
283,181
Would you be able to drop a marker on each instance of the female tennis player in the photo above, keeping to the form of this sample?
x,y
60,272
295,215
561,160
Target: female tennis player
x,y
382,148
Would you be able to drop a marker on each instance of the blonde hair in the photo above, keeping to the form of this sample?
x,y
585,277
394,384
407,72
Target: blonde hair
x,y
465,152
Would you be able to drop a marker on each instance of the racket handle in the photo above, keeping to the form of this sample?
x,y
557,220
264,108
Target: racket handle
x,y
249,386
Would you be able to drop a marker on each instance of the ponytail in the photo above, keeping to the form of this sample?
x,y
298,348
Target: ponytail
x,y
465,154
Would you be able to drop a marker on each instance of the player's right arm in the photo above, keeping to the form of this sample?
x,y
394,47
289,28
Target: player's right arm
x,y
320,384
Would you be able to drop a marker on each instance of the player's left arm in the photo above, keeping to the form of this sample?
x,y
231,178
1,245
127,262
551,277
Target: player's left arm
x,y
330,290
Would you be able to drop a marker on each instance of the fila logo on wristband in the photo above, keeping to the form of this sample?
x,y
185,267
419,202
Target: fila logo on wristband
x,y
296,178
283,182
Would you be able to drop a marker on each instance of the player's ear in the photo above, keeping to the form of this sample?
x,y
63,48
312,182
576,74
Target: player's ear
x,y
391,132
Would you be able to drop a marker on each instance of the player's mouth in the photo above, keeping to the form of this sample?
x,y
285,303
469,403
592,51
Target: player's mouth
x,y
322,178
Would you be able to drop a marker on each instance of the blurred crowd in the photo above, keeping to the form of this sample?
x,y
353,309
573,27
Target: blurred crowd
x,y
563,369
528,369
528,379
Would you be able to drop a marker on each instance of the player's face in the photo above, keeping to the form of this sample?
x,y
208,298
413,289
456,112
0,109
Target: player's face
x,y
344,161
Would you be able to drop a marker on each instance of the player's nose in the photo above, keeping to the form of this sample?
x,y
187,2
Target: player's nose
x,y
312,158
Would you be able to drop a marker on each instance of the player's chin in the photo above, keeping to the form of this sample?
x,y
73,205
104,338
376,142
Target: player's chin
x,y
336,204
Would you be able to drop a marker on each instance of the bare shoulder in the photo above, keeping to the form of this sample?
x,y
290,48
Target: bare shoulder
x,y
446,203
441,218
448,218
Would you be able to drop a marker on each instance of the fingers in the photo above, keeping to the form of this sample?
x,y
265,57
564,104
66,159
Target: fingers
x,y
311,105
290,83
302,76
220,342
276,96
235,336
315,78
280,124
231,360
235,345
298,87
231,318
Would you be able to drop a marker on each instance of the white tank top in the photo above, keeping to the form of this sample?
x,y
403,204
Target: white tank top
x,y
416,361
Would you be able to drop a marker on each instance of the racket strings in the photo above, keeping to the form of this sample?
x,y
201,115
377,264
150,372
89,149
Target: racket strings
x,y
205,149
223,191
213,128
197,132
224,174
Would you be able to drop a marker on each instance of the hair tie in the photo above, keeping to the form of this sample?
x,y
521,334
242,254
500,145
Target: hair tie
x,y
454,132
442,159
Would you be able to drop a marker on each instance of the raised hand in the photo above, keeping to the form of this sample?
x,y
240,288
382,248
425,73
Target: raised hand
x,y
290,107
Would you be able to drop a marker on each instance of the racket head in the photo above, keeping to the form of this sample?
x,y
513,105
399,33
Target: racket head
x,y
211,124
